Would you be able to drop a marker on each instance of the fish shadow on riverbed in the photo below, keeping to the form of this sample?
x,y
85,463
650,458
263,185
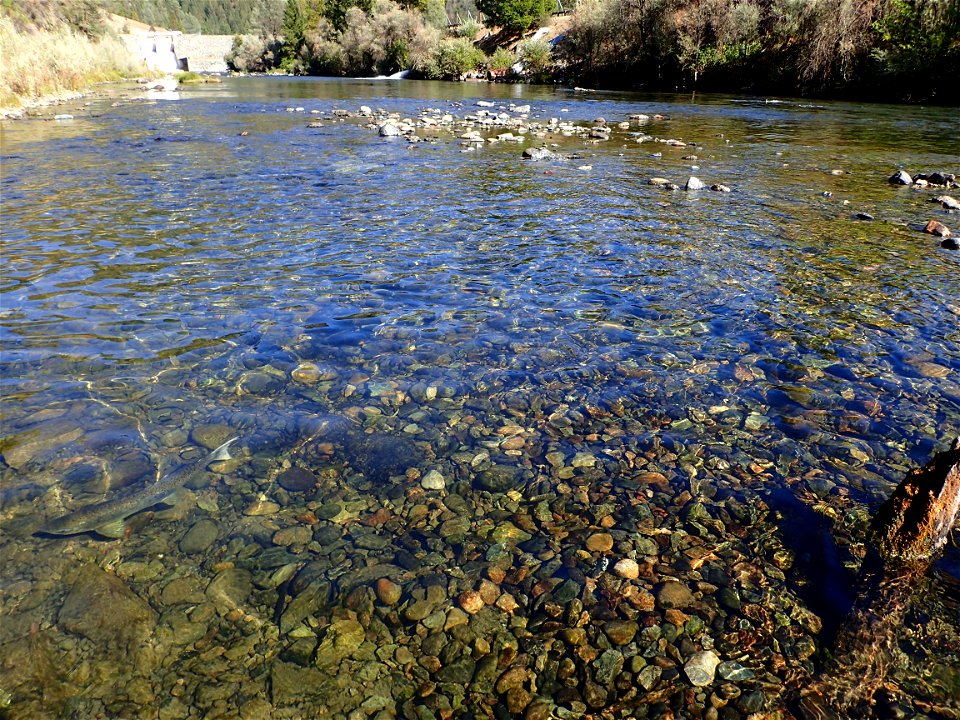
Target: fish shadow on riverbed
x,y
830,592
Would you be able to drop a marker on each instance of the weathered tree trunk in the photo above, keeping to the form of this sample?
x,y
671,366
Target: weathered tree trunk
x,y
909,529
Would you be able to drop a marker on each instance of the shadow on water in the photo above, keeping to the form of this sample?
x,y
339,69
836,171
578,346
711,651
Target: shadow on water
x,y
809,535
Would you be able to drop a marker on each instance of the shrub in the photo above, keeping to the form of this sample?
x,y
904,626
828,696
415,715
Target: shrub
x,y
536,57
187,78
502,59
454,58
253,54
383,41
469,28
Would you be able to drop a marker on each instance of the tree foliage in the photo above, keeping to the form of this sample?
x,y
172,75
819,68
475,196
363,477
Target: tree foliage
x,y
515,14
293,31
454,58
386,39
813,46
83,16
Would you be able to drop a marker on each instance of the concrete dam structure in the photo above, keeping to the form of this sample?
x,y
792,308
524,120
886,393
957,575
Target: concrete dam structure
x,y
158,50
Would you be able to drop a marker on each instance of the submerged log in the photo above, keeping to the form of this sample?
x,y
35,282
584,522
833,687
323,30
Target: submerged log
x,y
909,530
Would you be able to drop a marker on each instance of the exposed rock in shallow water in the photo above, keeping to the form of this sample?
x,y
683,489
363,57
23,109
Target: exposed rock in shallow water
x,y
901,177
935,227
389,130
673,595
535,153
909,529
915,522
947,202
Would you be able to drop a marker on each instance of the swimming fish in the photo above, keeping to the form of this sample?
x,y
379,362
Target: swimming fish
x,y
107,517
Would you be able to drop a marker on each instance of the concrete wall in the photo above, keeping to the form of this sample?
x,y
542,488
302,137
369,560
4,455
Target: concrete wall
x,y
162,50
205,52
159,50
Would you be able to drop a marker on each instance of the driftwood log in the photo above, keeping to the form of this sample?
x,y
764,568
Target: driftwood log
x,y
908,532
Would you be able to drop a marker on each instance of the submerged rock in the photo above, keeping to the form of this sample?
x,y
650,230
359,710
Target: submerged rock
x,y
342,639
378,456
701,667
499,479
101,608
201,535
297,479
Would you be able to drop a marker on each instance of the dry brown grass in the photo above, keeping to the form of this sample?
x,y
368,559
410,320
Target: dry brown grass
x,y
50,62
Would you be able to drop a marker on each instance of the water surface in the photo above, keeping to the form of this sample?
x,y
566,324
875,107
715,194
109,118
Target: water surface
x,y
721,387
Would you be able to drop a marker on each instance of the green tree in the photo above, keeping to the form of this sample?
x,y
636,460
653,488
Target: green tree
x,y
514,14
294,29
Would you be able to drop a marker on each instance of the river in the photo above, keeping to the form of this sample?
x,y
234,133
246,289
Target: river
x,y
515,438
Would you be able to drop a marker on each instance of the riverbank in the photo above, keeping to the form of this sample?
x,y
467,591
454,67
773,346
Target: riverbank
x,y
44,67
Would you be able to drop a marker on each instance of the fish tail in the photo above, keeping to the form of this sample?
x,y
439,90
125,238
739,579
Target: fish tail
x,y
223,451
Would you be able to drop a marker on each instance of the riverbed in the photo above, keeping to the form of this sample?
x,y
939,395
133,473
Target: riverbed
x,y
515,438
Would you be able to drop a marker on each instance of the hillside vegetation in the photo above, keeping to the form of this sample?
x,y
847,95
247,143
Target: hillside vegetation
x,y
873,49
885,49
897,50
211,17
50,47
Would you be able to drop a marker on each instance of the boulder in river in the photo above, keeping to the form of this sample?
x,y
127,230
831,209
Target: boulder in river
x,y
900,177
694,183
935,227
389,130
539,153
937,178
908,531
948,202
915,522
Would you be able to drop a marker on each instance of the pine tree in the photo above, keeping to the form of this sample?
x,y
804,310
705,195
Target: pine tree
x,y
293,31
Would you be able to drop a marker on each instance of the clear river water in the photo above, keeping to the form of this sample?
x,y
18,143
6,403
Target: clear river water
x,y
514,438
